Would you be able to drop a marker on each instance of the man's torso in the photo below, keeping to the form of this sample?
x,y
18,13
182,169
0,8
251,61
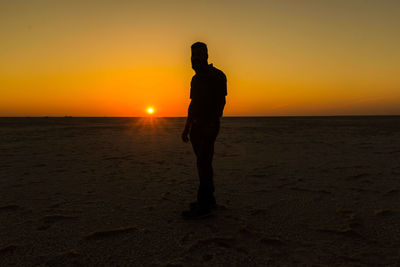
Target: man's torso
x,y
208,91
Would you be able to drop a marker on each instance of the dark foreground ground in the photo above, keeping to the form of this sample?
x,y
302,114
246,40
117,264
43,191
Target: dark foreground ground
x,y
109,191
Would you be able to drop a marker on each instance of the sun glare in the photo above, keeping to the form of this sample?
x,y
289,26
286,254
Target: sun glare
x,y
150,110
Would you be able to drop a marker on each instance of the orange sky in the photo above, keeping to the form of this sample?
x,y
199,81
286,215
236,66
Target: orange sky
x,y
116,58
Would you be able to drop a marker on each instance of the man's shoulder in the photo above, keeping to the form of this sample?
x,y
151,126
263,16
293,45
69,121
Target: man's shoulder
x,y
217,72
220,79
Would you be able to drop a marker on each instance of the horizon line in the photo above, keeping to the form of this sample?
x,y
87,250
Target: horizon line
x,y
254,116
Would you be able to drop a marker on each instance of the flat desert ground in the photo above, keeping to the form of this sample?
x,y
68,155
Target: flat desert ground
x,y
109,192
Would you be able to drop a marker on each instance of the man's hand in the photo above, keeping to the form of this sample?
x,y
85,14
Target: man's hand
x,y
185,134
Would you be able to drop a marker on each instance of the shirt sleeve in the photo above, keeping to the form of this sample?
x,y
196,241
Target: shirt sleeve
x,y
223,84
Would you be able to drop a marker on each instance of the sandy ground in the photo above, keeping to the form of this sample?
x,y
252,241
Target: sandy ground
x,y
109,191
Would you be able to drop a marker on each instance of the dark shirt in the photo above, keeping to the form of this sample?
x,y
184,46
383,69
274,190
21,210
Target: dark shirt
x,y
207,91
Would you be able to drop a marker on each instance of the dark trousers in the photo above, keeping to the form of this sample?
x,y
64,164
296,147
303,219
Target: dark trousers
x,y
202,137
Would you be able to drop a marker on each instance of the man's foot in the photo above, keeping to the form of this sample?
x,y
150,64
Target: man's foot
x,y
195,205
196,213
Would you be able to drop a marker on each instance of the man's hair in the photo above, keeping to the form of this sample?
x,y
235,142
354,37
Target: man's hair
x,y
200,45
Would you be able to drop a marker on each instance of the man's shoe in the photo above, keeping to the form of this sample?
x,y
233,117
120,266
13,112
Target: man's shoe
x,y
195,205
196,213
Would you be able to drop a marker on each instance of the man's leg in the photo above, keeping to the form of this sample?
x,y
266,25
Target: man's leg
x,y
205,152
202,138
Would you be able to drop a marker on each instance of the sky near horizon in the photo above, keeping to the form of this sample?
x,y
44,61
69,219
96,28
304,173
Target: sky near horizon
x,y
119,57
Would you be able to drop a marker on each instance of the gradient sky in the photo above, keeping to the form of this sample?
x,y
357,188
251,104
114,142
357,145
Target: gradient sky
x,y
116,58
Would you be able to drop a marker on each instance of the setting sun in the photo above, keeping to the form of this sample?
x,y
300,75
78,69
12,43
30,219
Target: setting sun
x,y
150,110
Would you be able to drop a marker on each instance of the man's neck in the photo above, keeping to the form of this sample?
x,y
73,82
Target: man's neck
x,y
203,68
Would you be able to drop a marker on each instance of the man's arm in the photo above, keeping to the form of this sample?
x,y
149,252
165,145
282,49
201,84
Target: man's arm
x,y
221,101
188,124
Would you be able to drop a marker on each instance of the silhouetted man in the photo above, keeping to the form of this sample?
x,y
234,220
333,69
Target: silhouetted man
x,y
207,91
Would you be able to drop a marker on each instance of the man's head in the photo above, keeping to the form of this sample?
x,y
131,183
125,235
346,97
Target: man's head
x,y
199,56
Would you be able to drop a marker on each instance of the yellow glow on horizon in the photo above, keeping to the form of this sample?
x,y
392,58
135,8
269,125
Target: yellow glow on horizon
x,y
150,110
